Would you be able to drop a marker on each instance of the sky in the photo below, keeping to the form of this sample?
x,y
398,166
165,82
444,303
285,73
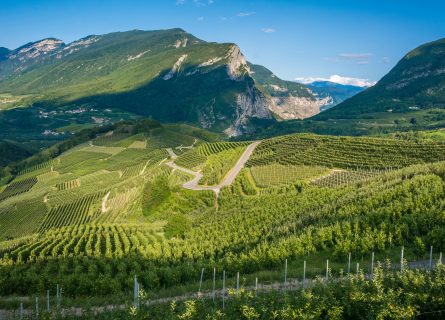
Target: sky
x,y
346,41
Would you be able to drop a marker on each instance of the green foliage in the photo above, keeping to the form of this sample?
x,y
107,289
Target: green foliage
x,y
218,165
177,226
155,193
275,174
117,213
345,152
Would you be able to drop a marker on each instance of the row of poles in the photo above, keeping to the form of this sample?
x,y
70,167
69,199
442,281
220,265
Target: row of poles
x,y
136,285
48,303
430,267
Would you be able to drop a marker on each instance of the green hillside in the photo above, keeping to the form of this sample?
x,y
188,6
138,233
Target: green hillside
x,y
276,86
409,98
115,206
149,73
415,83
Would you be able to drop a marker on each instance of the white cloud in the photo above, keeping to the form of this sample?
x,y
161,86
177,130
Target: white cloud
x,y
386,60
202,3
339,79
357,58
180,2
245,14
200,18
268,30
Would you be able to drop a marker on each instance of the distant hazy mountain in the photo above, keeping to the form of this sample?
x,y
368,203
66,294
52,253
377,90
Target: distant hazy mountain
x,y
334,92
416,83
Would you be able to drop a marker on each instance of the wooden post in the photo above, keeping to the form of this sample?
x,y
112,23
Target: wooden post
x,y
37,308
285,273
358,268
21,310
224,288
237,281
135,292
372,265
440,258
431,258
57,296
401,260
214,284
47,300
349,263
304,273
327,270
200,281
256,287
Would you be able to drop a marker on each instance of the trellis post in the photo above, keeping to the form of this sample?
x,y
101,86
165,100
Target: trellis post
x,y
136,292
214,284
47,300
285,273
37,307
200,281
431,258
327,269
401,260
349,263
224,288
372,265
304,273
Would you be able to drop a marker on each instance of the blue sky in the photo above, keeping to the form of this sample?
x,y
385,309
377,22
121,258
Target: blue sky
x,y
295,39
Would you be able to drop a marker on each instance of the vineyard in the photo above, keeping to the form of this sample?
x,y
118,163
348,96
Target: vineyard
x,y
114,205
346,152
275,174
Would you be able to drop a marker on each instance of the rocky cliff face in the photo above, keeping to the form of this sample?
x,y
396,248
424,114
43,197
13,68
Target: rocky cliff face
x,y
286,99
290,107
236,63
251,104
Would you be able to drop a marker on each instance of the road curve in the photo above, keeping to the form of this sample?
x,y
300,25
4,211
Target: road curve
x,y
228,179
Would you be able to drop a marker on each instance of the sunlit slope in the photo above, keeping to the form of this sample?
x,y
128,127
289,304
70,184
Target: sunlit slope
x,y
115,201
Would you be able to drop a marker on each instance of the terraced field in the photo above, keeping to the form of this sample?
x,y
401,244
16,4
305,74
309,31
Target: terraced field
x,y
121,203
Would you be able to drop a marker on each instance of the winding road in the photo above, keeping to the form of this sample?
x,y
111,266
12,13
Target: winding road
x,y
228,179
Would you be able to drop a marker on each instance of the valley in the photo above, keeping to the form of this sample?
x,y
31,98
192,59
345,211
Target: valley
x,y
159,174
163,202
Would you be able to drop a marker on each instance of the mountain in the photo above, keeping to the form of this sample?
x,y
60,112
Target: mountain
x,y
4,52
417,82
169,75
289,100
411,97
335,92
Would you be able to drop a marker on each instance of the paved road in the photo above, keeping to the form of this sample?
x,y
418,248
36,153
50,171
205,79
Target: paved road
x,y
228,179
171,153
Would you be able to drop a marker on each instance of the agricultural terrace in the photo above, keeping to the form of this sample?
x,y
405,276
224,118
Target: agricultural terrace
x,y
113,207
